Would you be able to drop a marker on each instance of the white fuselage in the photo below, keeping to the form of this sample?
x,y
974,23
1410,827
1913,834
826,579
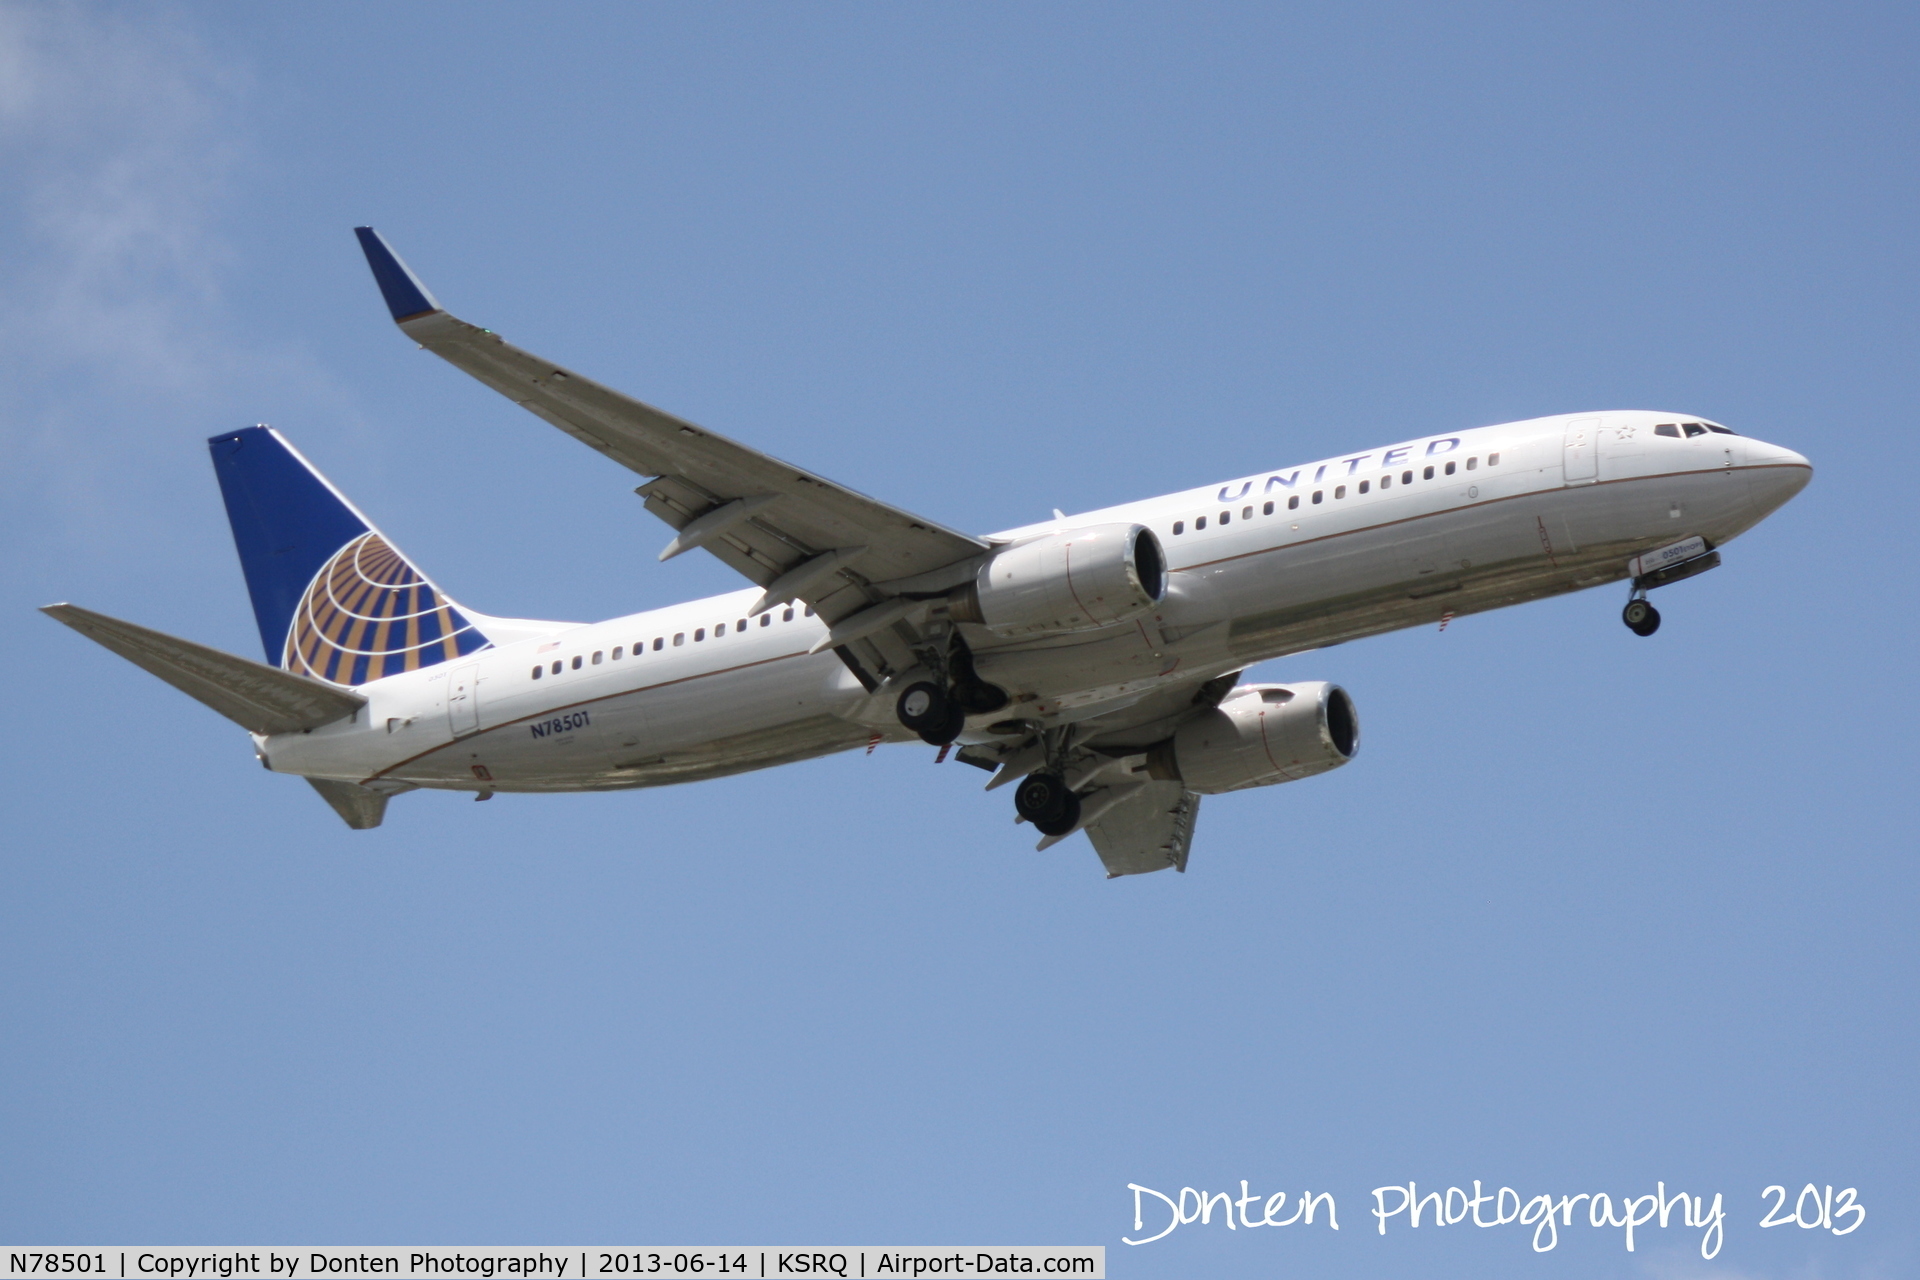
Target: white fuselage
x,y
1262,566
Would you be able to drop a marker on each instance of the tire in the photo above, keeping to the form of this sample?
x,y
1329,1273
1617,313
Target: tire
x,y
1068,819
1641,617
944,734
1043,798
924,708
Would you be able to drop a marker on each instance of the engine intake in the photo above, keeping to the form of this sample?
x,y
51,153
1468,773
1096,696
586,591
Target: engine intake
x,y
1078,580
1261,735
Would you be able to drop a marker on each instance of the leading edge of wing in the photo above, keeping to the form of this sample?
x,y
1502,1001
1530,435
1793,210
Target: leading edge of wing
x,y
812,514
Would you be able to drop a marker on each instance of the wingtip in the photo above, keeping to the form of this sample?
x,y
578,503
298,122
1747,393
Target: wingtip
x,y
405,296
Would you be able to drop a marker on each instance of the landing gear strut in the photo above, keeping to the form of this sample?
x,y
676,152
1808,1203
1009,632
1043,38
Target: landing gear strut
x,y
1640,616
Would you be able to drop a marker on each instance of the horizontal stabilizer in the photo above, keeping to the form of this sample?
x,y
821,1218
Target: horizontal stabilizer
x,y
254,696
360,808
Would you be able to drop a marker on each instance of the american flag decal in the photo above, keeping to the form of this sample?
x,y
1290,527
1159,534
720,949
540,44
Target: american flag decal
x,y
369,614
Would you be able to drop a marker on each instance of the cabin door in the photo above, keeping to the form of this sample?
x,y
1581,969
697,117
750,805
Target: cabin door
x,y
463,699
1579,452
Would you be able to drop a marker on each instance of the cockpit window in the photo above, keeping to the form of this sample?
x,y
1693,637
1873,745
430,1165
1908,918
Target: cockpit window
x,y
1693,429
1719,430
1668,429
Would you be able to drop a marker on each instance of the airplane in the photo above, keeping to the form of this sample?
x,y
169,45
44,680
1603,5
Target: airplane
x,y
1094,660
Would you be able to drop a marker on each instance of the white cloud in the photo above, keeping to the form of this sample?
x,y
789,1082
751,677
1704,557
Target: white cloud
x,y
118,138
124,140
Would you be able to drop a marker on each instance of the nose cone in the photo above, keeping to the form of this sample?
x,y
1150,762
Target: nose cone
x,y
1776,472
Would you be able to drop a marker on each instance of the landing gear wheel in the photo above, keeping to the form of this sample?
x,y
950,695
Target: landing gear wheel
x,y
927,710
1066,822
923,706
943,735
1641,617
1043,800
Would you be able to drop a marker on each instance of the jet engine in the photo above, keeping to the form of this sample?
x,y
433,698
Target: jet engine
x,y
1259,735
1077,580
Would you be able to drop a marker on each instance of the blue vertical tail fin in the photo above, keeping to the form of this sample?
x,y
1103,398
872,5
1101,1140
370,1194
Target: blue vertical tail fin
x,y
334,599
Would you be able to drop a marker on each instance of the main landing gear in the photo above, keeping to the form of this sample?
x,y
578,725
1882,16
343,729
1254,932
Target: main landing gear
x,y
931,712
1640,616
1044,800
937,709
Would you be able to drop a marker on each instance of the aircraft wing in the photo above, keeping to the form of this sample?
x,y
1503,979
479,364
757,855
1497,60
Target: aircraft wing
x,y
801,536
1149,831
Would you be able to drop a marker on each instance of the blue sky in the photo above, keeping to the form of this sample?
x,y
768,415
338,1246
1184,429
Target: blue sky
x,y
1587,912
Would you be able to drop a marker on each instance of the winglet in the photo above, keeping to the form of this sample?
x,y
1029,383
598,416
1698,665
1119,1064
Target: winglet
x,y
406,296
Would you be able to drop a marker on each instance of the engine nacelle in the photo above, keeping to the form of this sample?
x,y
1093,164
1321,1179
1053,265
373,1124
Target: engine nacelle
x,y
1078,580
1259,735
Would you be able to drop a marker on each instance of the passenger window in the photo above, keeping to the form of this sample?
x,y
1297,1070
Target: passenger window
x,y
1363,486
1386,481
1226,517
1493,459
538,672
809,611
1472,463
657,640
1693,429
1179,527
720,630
1200,523
1293,503
1340,491
1246,513
1406,477
1450,468
1668,429
616,653
679,638
1427,473
597,656
1317,496
1266,509
699,634
766,619
556,668
740,625
787,616
576,662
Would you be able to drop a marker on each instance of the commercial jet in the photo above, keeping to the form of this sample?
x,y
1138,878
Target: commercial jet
x,y
1092,660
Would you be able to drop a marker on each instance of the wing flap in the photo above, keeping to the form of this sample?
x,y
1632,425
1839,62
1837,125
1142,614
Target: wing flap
x,y
1149,831
256,697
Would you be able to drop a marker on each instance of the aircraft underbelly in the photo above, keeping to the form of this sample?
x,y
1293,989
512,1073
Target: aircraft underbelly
x,y
730,721
1481,557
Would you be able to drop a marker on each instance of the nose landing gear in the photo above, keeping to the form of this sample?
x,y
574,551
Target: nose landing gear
x,y
1640,616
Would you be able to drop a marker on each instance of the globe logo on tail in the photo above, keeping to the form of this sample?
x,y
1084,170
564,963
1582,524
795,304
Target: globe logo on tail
x,y
369,614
